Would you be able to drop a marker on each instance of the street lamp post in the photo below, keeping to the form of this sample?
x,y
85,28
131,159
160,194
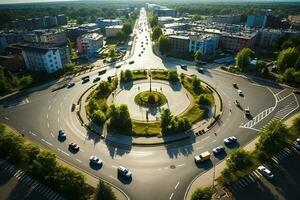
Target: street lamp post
x,y
149,72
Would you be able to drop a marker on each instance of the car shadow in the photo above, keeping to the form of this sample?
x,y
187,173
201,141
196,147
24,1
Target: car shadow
x,y
73,151
61,139
221,156
124,179
95,166
205,165
233,145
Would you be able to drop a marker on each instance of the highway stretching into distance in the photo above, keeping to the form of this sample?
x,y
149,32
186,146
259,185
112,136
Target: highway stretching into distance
x,y
160,172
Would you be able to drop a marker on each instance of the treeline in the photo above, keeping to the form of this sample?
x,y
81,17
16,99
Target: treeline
x,y
42,165
82,12
283,9
272,139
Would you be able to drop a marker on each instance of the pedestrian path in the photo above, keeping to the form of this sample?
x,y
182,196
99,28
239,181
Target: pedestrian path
x,y
24,178
256,174
286,110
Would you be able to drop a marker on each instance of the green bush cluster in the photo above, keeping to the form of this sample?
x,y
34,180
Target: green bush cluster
x,y
202,194
42,165
168,75
126,76
171,124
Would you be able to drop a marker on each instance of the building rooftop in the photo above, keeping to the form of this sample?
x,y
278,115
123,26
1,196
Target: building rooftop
x,y
183,37
115,26
92,36
108,20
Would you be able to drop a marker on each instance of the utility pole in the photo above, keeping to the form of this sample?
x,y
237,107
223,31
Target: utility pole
x,y
149,73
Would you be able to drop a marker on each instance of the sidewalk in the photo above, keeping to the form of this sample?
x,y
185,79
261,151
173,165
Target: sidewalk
x,y
203,125
205,179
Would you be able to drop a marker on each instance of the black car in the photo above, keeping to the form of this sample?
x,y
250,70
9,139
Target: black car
x,y
131,62
183,66
73,146
69,85
102,72
85,80
62,134
200,70
96,79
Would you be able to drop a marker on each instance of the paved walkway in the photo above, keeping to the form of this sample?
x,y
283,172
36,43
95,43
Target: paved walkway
x,y
204,125
205,179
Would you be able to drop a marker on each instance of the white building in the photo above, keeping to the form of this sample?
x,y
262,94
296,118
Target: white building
x,y
45,58
90,44
205,43
111,31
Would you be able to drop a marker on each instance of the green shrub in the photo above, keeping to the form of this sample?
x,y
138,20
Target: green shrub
x,y
99,117
202,194
173,76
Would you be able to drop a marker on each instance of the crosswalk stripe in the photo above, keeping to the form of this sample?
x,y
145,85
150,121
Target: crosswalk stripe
x,y
4,164
283,153
287,149
19,175
275,160
279,157
38,187
49,192
42,189
53,194
10,168
30,182
56,196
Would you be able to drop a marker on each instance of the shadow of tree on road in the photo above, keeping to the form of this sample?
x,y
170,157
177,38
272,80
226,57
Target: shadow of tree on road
x,y
183,147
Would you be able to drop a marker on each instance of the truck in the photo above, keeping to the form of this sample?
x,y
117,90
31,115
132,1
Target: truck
x,y
202,157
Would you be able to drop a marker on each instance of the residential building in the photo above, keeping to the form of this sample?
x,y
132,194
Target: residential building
x,y
61,19
236,42
267,37
179,45
294,19
12,59
9,37
48,58
90,44
224,19
49,21
46,36
75,32
178,26
256,21
205,43
111,31
163,12
103,23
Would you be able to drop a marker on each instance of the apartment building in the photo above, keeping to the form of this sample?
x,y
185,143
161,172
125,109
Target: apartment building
x,y
179,45
205,43
236,42
103,23
224,19
90,44
111,31
46,36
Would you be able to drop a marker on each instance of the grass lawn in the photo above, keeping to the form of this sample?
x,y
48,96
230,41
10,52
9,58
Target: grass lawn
x,y
139,128
143,99
194,114
139,74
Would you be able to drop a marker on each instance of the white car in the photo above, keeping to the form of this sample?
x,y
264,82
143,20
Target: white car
x,y
266,172
230,140
95,160
240,92
297,144
247,112
125,172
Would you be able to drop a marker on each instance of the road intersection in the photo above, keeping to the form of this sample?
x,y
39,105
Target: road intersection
x,y
159,172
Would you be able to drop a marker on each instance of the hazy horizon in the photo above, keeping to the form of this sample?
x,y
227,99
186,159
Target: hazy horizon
x,y
156,1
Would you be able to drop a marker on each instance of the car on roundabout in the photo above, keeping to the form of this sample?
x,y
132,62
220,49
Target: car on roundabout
x,y
240,93
62,134
297,144
95,160
218,150
247,112
230,140
235,85
202,157
73,146
266,172
71,84
124,172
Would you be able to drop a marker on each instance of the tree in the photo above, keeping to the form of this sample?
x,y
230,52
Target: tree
x,y
197,56
127,29
164,44
44,165
120,36
98,117
157,32
104,192
120,118
196,84
153,21
165,120
173,76
128,75
243,58
239,160
291,75
287,58
112,52
260,65
202,194
25,81
272,139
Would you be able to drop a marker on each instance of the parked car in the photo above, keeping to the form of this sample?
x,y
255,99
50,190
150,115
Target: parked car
x,y
200,70
295,91
247,112
266,172
62,134
102,72
297,144
230,140
131,62
235,85
124,172
70,85
218,150
73,146
85,80
95,160
183,66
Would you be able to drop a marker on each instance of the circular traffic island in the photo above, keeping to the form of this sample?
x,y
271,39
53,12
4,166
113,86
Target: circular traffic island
x,y
150,99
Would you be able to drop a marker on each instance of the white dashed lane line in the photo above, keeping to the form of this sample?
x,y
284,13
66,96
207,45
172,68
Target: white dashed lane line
x,y
78,160
49,108
6,118
171,196
176,185
63,152
205,138
47,142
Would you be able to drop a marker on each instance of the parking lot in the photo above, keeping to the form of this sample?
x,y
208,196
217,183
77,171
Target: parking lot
x,y
284,185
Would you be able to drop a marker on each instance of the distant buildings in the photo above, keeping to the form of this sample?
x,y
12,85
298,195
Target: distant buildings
x,y
13,59
40,22
111,31
163,12
103,23
179,45
90,44
267,37
75,32
236,42
256,21
46,36
224,19
9,37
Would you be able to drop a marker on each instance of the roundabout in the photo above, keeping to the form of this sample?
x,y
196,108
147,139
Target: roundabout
x,y
150,99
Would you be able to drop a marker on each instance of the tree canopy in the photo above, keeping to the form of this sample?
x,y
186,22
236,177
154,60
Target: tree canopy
x,y
243,58
164,44
157,32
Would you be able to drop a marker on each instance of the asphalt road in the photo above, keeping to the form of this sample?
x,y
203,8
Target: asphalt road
x,y
159,172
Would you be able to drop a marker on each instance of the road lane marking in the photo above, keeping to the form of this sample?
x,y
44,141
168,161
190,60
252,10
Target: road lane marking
x,y
58,120
180,165
78,160
205,138
171,196
63,152
49,108
81,150
47,142
58,111
48,124
32,133
113,177
52,134
47,116
214,141
6,118
60,104
176,185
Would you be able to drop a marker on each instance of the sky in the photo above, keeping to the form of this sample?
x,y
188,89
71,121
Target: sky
x,y
32,1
